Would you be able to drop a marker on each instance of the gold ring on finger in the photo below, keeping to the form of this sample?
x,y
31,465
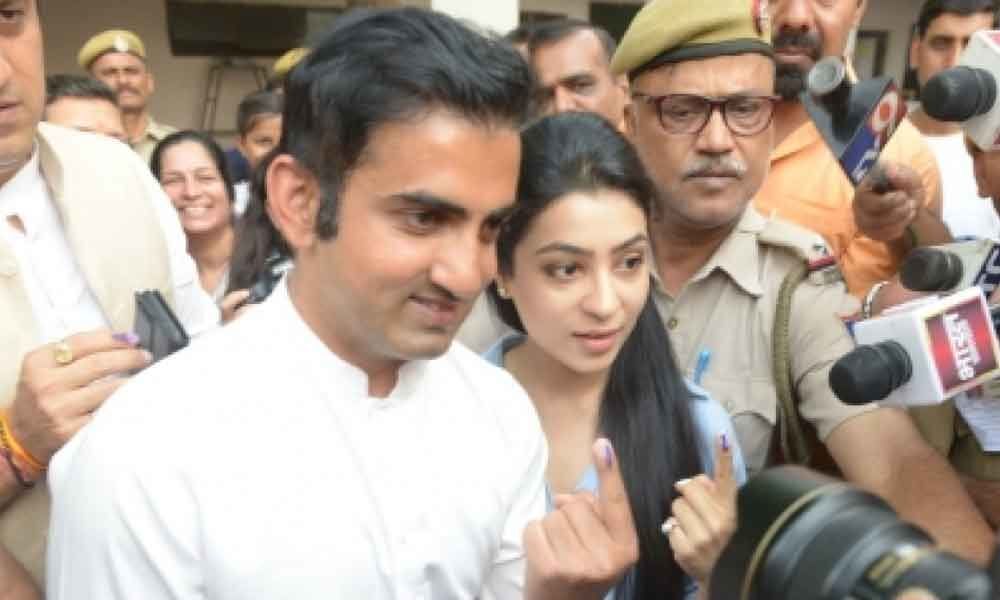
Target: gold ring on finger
x,y
63,354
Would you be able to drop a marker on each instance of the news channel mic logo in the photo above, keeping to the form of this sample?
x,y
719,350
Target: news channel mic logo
x,y
864,150
962,344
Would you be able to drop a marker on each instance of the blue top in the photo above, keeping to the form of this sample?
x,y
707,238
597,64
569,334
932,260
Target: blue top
x,y
709,418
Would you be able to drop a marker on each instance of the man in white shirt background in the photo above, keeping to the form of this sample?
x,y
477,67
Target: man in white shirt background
x,y
942,31
334,442
82,227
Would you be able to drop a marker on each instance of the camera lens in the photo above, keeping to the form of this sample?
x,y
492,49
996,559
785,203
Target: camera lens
x,y
803,536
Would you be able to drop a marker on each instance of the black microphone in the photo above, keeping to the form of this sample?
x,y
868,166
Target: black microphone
x,y
951,267
856,120
870,373
959,94
967,93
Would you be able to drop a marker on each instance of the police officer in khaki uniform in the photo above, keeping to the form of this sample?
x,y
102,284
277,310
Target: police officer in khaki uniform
x,y
702,84
118,58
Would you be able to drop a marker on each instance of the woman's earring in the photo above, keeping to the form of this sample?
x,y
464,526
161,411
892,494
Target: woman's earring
x,y
502,291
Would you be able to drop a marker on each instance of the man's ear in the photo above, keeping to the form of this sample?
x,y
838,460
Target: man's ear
x,y
859,13
630,124
293,199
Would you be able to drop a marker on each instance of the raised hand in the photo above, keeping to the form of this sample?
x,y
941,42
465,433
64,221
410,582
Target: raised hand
x,y
704,517
581,549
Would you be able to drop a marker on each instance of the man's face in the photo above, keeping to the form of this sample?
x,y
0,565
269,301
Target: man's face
x,y
705,180
807,30
95,115
418,218
942,44
126,75
987,172
22,83
574,74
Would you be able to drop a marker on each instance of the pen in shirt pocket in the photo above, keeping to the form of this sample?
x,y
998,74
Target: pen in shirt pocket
x,y
704,358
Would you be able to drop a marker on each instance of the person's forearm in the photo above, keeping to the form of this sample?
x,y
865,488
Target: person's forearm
x,y
927,492
15,583
986,495
926,229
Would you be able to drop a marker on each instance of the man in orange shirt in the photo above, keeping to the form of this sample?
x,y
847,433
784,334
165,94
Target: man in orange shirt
x,y
868,232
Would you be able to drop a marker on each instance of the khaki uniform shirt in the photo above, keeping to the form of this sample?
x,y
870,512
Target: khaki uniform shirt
x,y
154,133
728,309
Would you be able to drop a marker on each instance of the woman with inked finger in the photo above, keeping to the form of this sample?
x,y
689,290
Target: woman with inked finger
x,y
574,281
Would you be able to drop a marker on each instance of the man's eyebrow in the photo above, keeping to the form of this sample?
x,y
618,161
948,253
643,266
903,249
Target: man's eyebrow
x,y
432,202
497,217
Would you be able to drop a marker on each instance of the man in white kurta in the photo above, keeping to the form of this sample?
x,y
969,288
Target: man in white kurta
x,y
256,465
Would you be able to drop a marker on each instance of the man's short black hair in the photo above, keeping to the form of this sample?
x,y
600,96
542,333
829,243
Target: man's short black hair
x,y
76,86
933,9
377,67
555,30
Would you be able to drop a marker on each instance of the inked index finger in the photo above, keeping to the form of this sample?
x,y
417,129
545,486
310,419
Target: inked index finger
x,y
722,473
612,502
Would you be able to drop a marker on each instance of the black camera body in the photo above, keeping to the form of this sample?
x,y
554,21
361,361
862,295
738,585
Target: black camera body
x,y
804,536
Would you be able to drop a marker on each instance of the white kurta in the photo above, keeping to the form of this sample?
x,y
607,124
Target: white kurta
x,y
255,465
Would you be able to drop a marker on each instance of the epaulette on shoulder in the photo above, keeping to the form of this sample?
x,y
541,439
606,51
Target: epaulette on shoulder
x,y
806,245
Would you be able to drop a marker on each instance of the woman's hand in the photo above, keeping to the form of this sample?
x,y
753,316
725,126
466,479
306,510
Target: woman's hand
x,y
704,517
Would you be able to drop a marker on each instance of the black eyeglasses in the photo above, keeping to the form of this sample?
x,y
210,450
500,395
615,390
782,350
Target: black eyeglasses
x,y
687,114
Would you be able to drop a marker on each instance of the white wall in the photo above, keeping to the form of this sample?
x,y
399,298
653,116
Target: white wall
x,y
897,17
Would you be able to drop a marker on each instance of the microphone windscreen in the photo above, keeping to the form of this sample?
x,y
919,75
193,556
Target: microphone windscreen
x,y
870,373
931,270
959,94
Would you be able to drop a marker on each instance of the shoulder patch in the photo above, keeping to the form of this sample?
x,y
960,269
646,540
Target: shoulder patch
x,y
806,245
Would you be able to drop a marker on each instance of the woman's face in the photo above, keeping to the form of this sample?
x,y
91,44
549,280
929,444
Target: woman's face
x,y
581,277
191,179
261,139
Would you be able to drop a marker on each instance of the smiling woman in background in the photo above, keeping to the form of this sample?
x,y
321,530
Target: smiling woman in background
x,y
594,356
192,169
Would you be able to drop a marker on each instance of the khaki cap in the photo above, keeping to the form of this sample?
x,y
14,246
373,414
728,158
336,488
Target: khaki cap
x,y
113,40
669,31
286,62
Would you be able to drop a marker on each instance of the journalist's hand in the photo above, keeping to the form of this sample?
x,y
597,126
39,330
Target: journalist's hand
x,y
53,401
884,215
580,550
704,517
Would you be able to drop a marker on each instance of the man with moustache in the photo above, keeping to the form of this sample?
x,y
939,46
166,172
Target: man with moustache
x,y
571,60
702,84
333,442
83,226
868,232
118,58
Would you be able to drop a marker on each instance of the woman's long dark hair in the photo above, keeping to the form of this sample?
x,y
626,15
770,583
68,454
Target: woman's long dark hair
x,y
258,242
645,410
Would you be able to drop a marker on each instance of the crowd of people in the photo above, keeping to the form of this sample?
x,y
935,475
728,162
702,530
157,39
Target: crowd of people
x,y
471,316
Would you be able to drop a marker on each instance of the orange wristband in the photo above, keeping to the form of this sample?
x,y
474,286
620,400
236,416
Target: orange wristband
x,y
16,449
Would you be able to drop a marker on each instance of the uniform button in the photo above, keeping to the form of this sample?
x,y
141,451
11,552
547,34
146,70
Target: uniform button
x,y
8,268
672,323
